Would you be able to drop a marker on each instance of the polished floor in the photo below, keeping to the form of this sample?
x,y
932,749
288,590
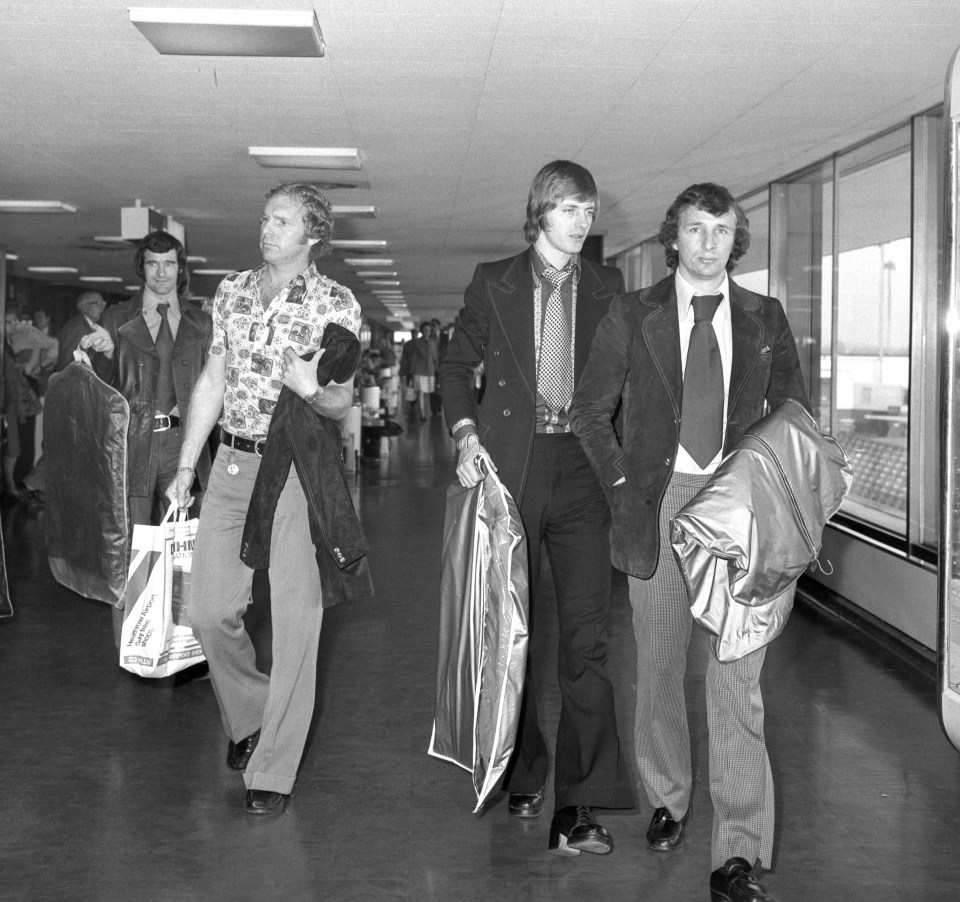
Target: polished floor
x,y
115,788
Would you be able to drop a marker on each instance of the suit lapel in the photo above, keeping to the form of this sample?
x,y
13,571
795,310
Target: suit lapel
x,y
512,301
661,332
135,328
746,340
590,291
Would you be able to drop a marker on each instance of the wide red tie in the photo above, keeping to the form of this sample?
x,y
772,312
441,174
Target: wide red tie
x,y
701,420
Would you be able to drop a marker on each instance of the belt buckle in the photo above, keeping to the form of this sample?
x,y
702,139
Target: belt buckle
x,y
164,425
258,446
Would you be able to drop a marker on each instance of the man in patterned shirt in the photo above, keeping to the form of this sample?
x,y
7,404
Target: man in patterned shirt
x,y
265,321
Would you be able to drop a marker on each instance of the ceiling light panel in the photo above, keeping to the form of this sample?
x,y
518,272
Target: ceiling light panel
x,y
230,32
307,157
374,274
36,206
368,261
99,279
53,269
356,244
354,212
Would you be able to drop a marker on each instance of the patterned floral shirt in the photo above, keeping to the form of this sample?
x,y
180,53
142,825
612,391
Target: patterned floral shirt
x,y
253,338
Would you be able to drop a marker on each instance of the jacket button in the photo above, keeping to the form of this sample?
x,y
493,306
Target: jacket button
x,y
496,352
648,502
502,383
506,413
666,463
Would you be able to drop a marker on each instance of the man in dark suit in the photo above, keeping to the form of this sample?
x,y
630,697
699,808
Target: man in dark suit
x,y
90,307
693,360
529,320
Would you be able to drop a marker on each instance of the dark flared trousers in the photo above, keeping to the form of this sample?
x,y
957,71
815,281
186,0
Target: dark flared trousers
x,y
564,510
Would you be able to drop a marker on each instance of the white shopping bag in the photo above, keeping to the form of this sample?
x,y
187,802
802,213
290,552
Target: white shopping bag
x,y
157,640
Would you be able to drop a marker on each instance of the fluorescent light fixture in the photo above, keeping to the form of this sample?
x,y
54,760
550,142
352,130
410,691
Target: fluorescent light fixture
x,y
355,212
356,244
213,272
307,157
368,261
230,32
12,257
387,292
110,239
36,206
132,287
196,259
383,283
373,274
100,279
53,269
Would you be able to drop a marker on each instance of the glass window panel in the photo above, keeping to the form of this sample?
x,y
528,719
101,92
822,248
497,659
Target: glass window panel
x,y
872,325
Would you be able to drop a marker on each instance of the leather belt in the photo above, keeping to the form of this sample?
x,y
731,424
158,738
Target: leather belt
x,y
238,443
162,422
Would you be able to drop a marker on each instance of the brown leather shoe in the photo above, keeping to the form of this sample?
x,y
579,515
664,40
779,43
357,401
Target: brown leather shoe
x,y
664,833
238,753
263,801
526,804
736,881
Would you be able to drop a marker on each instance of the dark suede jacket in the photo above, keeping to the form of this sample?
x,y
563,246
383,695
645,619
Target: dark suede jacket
x,y
299,434
136,368
635,359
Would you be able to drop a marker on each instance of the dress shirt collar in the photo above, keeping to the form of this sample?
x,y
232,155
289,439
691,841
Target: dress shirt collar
x,y
685,293
541,264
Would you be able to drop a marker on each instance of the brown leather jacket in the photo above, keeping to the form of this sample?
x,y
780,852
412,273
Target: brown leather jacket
x,y
136,366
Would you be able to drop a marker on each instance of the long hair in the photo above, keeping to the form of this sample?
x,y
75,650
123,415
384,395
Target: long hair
x,y
317,213
715,200
553,183
161,242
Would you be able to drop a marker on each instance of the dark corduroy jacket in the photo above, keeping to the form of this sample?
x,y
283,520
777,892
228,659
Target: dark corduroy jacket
x,y
635,360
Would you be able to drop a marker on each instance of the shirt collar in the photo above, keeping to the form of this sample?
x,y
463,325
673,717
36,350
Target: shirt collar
x,y
309,273
541,264
685,293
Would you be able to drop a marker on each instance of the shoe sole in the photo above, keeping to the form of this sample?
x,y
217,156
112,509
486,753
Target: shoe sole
x,y
266,812
656,847
525,813
593,846
560,847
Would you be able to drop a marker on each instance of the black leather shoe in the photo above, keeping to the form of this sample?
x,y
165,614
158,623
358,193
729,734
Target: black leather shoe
x,y
526,804
574,830
664,833
238,753
737,882
262,801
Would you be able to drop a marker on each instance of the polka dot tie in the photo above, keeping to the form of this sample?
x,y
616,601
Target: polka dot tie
x,y
556,366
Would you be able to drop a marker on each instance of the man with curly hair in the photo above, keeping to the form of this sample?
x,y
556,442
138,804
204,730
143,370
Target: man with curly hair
x,y
689,364
266,321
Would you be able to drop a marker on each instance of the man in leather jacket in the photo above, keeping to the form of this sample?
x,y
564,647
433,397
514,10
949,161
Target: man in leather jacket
x,y
157,344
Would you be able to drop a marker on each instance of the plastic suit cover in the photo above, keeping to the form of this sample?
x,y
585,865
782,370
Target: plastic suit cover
x,y
85,454
483,633
746,538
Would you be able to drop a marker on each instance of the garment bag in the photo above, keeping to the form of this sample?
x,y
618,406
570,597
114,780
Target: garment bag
x,y
744,540
85,455
483,633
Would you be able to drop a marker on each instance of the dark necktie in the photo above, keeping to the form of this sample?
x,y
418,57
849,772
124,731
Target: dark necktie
x,y
701,420
556,368
166,393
